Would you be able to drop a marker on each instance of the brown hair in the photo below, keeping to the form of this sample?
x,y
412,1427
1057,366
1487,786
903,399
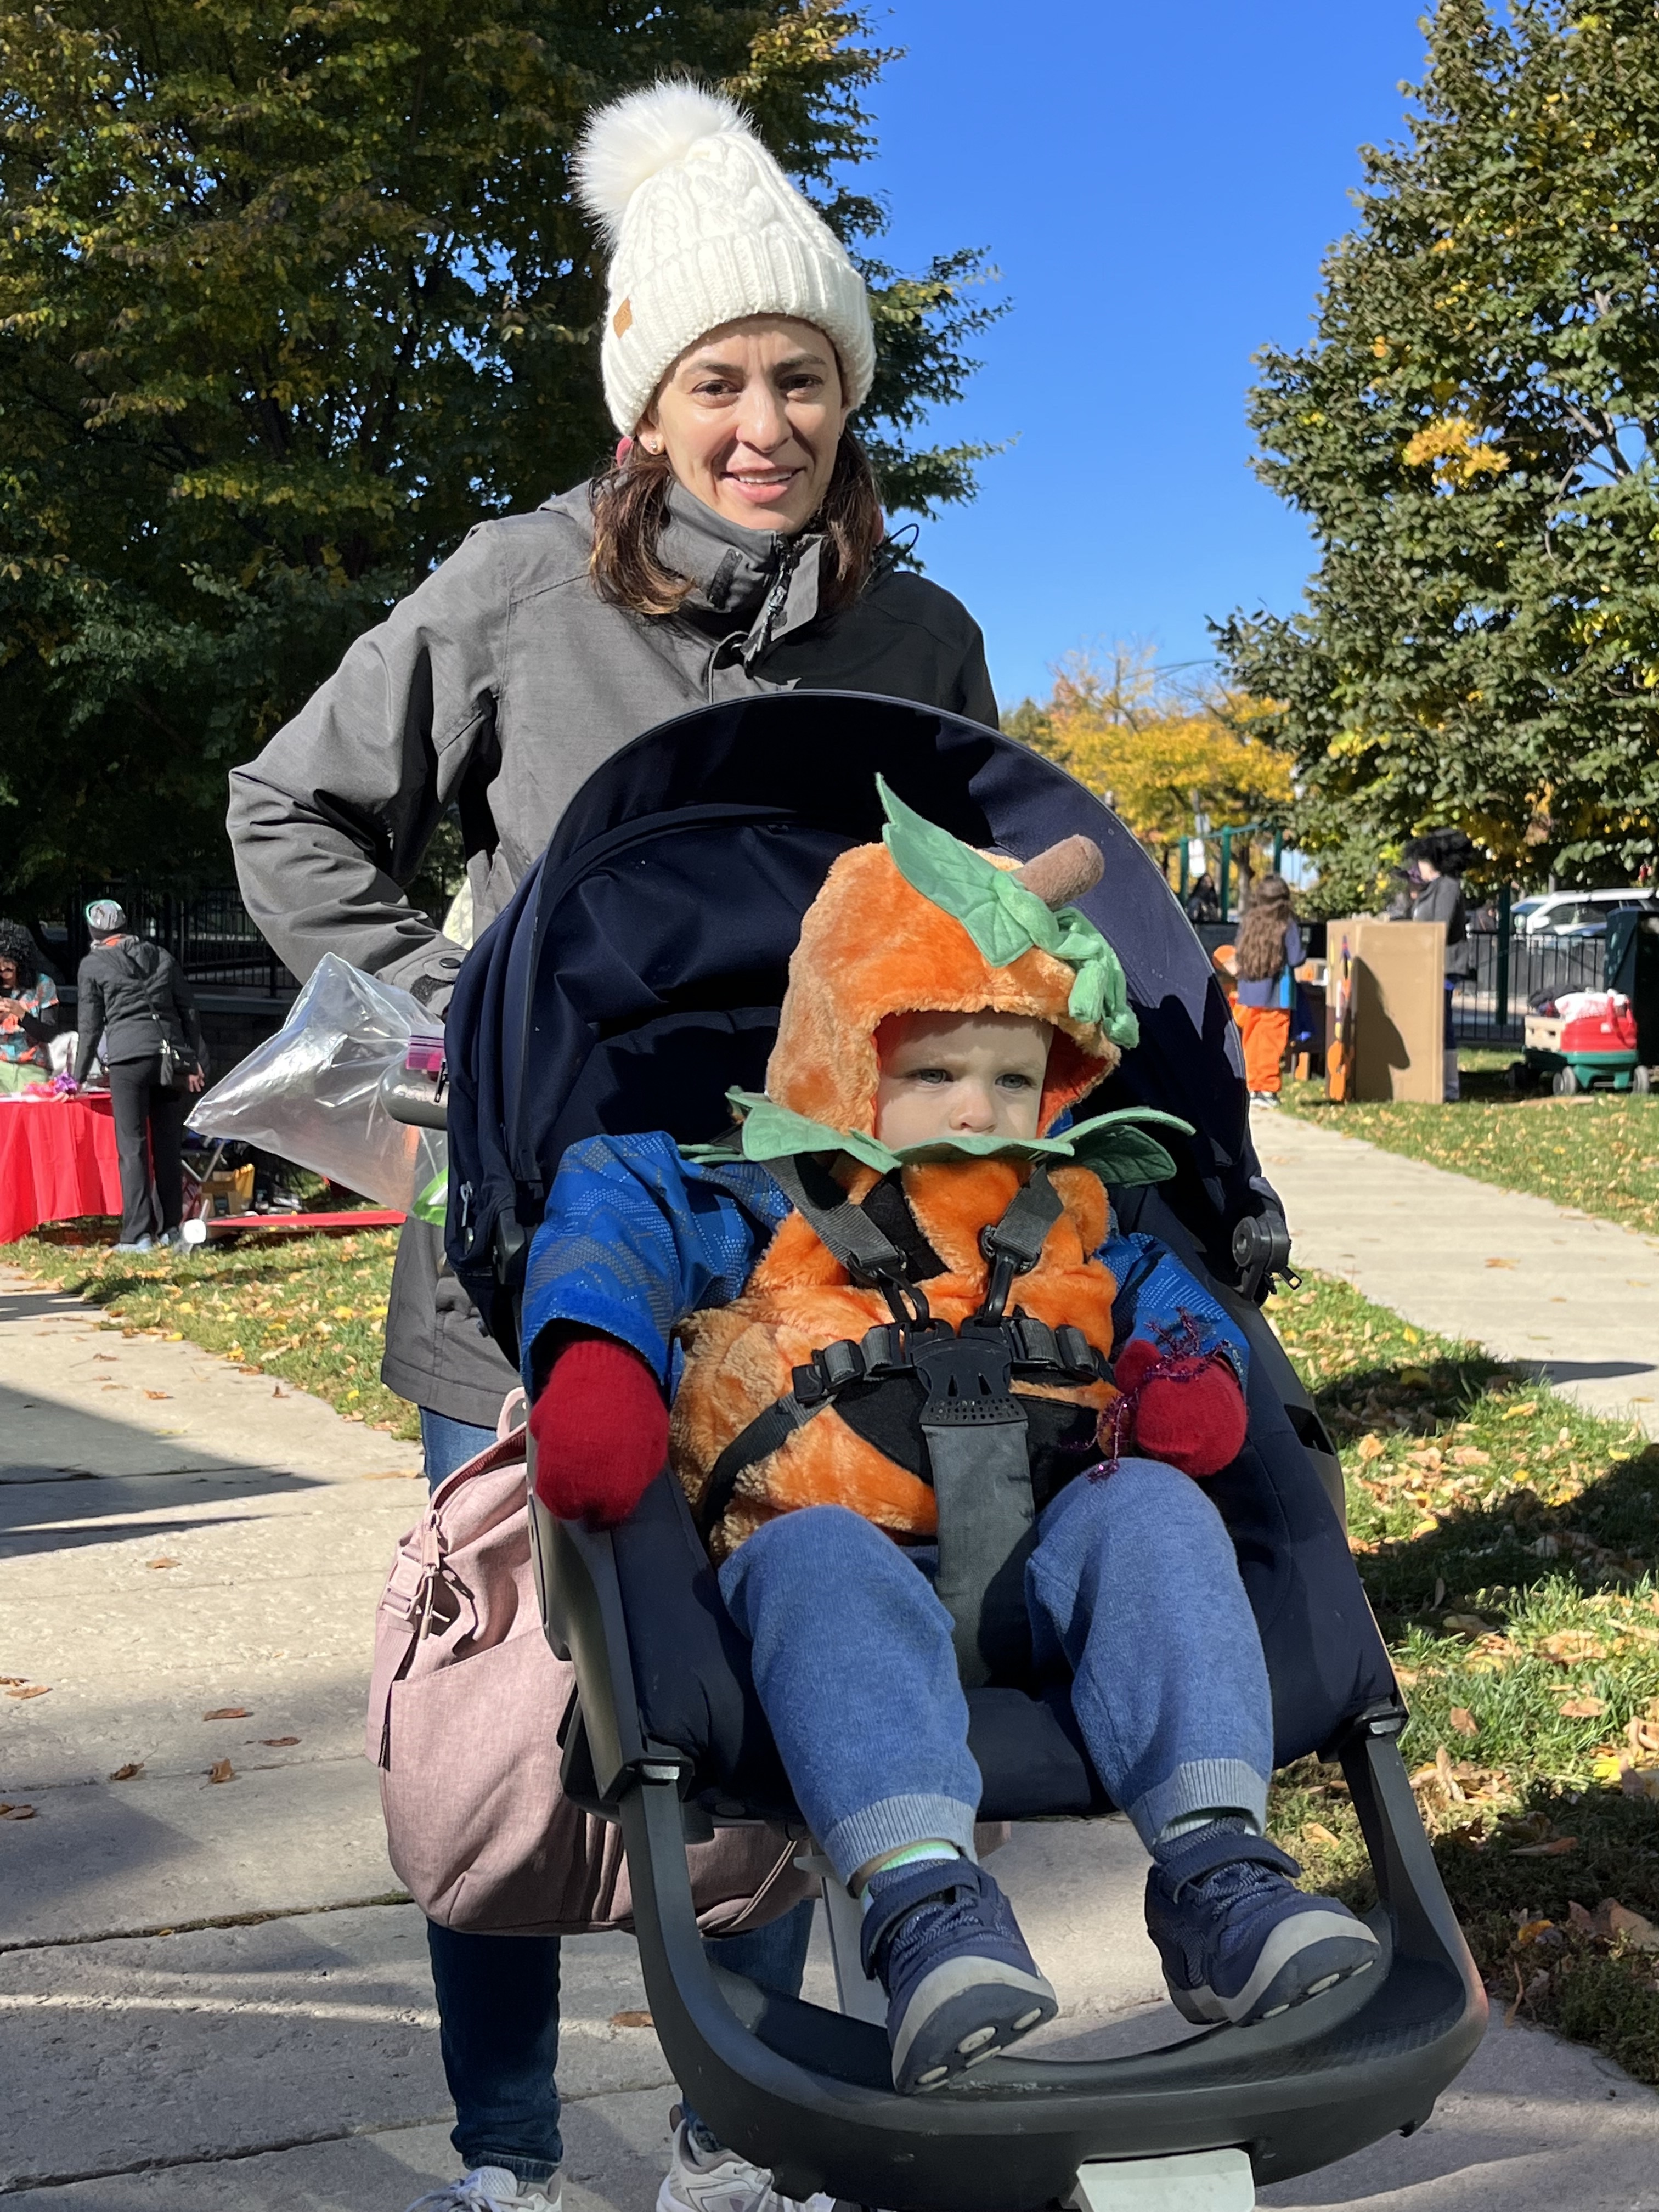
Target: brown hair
x,y
1262,933
630,506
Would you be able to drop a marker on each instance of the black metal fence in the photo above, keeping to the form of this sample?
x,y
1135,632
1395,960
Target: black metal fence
x,y
209,934
1512,972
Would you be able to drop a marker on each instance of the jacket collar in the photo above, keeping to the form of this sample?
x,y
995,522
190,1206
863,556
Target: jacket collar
x,y
753,586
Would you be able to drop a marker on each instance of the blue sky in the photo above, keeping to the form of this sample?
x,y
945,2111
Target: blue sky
x,y
1157,185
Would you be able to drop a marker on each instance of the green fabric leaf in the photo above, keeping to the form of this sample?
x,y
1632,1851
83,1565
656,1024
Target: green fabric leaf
x,y
1116,1147
433,1203
1005,920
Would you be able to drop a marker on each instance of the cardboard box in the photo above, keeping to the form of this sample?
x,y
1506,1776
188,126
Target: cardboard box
x,y
1386,1009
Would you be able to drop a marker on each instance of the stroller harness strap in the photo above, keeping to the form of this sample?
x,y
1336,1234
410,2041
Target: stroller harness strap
x,y
973,1428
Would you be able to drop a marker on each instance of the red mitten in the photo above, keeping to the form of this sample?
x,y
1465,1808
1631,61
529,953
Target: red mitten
x,y
1186,1410
601,1431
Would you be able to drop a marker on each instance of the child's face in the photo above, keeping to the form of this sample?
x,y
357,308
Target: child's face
x,y
959,1075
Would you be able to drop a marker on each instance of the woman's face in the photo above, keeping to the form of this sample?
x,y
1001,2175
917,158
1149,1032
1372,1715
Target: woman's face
x,y
9,975
749,418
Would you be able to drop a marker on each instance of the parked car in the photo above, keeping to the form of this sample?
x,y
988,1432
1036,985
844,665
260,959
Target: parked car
x,y
1576,914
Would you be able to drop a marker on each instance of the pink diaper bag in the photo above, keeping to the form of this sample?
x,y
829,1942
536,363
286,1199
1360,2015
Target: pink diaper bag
x,y
465,1706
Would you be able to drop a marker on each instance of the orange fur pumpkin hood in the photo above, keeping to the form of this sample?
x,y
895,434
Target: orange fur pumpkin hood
x,y
919,923
873,944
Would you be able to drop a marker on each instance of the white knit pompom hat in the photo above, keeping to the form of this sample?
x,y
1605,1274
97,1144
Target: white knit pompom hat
x,y
705,227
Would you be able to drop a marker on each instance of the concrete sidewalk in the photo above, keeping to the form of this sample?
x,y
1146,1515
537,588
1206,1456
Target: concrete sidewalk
x,y
157,2062
1574,1298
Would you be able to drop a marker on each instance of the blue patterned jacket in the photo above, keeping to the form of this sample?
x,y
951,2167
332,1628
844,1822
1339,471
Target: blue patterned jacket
x,y
635,1239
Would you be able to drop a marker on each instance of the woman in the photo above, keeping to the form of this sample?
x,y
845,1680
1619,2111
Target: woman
x,y
734,547
1269,953
130,992
29,1010
1435,863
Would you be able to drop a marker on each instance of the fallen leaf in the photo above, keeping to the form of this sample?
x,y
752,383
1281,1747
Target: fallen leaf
x,y
1464,1721
1471,1456
8,1681
160,1563
1371,1447
1445,1778
221,1770
1582,1709
34,1690
1503,1263
1637,1930
133,1766
229,1713
1558,1848
1417,1378
278,1742
631,2020
1569,1645
1530,1930
1519,1412
1320,1833
17,1813
158,1393
1465,1624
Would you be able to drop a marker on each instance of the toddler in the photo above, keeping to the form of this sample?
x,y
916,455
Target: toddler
x,y
939,1420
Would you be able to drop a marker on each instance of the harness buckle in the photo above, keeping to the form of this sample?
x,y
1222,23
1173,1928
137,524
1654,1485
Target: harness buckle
x,y
966,1377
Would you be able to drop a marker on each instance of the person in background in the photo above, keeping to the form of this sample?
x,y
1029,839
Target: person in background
x,y
1436,862
1203,902
132,993
1269,952
29,1010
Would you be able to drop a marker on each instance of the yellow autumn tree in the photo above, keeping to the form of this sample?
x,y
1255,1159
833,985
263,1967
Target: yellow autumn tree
x,y
1157,753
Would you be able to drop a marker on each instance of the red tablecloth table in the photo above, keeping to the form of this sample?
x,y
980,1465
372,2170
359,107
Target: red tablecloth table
x,y
57,1159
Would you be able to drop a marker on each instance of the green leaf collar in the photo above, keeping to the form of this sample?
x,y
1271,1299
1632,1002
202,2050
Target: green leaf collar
x,y
1118,1147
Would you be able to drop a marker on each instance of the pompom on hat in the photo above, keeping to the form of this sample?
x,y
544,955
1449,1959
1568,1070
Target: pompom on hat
x,y
705,228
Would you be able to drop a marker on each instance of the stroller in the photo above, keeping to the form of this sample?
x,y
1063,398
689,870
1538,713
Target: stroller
x,y
634,979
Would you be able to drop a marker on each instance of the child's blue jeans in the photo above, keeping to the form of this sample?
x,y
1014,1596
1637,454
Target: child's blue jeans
x,y
1133,1585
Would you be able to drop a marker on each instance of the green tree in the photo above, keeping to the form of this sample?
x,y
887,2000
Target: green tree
x,y
1158,753
292,292
1473,438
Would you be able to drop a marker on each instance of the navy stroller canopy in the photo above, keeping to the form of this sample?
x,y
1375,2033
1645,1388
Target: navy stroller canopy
x,y
636,975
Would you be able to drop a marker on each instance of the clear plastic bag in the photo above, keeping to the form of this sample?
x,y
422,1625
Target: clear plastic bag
x,y
311,1093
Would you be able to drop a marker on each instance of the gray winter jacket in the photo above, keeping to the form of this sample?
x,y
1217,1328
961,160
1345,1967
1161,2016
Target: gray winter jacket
x,y
501,684
1442,901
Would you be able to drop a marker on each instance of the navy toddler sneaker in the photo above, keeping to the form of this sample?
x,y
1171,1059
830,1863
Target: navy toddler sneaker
x,y
961,1985
1238,1942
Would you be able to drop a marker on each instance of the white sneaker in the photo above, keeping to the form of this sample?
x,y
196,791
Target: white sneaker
x,y
720,2181
489,2188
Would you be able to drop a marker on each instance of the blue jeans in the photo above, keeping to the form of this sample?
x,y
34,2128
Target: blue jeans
x,y
1132,1586
498,1996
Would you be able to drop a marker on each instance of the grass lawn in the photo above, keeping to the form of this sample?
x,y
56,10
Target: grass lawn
x,y
1599,1151
1509,1543
308,1309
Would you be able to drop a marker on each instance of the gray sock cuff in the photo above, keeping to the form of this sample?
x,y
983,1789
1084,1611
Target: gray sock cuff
x,y
1203,1785
893,1825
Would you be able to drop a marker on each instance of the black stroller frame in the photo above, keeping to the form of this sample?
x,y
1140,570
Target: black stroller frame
x,y
648,1002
